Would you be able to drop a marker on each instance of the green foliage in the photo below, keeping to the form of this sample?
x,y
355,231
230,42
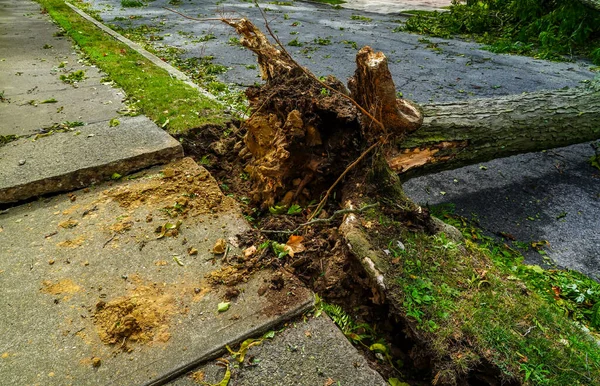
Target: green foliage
x,y
547,29
322,41
132,3
73,77
295,43
294,209
361,18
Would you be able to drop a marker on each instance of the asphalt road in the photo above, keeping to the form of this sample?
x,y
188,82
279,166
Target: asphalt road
x,y
330,37
552,196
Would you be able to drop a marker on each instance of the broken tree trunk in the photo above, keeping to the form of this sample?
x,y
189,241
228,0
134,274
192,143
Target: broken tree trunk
x,y
456,134
304,132
372,87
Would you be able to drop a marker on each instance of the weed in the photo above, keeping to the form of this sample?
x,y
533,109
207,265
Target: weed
x,y
294,209
205,160
234,41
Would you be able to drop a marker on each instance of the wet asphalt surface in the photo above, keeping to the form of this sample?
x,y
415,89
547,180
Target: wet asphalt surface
x,y
552,196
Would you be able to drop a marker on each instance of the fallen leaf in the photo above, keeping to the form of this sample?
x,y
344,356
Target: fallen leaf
x,y
557,291
241,354
219,247
329,382
168,229
178,261
192,251
295,243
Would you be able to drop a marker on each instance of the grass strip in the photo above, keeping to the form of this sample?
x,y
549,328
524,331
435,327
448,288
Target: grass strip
x,y
478,310
169,102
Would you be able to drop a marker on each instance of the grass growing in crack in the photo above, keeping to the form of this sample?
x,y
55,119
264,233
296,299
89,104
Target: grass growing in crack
x,y
475,303
151,89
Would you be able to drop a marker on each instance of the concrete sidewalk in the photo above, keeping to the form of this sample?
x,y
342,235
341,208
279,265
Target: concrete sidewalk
x,y
62,111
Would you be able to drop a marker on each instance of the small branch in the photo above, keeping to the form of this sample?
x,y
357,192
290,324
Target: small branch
x,y
323,220
109,240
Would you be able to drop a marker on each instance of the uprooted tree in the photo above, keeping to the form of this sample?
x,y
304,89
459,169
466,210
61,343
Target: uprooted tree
x,y
310,139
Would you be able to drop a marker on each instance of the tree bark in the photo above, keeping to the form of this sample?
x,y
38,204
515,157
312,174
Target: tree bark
x,y
456,134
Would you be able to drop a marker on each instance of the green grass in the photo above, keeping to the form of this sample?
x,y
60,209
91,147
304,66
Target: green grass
x,y
555,30
150,89
475,305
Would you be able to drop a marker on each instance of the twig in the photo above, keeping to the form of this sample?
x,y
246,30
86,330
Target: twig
x,y
323,220
350,167
310,75
226,253
109,240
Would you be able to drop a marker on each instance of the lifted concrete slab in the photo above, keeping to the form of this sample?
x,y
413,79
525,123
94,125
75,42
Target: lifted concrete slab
x,y
85,267
79,158
306,352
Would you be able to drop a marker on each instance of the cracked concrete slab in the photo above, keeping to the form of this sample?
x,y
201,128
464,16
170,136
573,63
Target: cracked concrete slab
x,y
91,293
307,352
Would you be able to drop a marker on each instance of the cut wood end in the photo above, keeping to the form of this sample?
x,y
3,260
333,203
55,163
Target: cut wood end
x,y
415,157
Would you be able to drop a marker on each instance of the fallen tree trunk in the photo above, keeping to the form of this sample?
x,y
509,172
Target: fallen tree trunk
x,y
456,134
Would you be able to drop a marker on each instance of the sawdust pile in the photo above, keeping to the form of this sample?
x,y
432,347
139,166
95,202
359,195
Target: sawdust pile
x,y
65,286
143,316
182,189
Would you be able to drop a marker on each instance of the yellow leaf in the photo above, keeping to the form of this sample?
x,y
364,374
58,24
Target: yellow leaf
x,y
295,244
